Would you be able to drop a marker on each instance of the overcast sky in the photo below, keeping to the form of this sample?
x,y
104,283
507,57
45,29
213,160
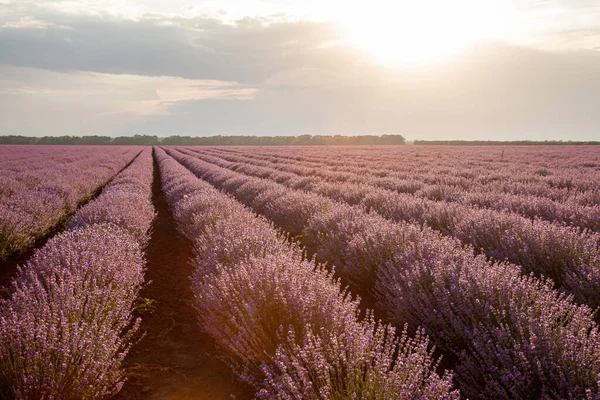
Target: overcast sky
x,y
429,69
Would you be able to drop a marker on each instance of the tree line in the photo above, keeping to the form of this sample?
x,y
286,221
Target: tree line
x,y
499,142
302,140
146,140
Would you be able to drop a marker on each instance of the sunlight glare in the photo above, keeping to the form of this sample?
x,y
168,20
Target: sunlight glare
x,y
422,32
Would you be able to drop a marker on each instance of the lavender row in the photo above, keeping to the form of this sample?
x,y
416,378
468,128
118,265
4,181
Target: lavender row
x,y
569,212
569,257
24,168
125,202
503,161
296,174
68,323
512,336
286,325
30,214
573,181
556,171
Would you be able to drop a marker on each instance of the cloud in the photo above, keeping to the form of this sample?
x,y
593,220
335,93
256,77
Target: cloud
x,y
98,73
249,51
29,22
495,92
105,95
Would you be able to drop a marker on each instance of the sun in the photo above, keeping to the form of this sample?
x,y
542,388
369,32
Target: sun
x,y
421,31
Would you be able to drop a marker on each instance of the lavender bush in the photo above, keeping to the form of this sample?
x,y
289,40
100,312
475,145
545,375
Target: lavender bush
x,y
125,202
130,211
569,257
248,306
229,241
515,336
258,299
427,279
51,191
365,361
67,326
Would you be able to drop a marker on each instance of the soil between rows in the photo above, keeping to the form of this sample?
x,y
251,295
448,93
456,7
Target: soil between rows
x,y
175,360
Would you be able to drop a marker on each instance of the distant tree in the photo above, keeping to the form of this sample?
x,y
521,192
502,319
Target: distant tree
x,y
219,140
59,140
96,140
392,140
305,140
138,140
499,142
17,139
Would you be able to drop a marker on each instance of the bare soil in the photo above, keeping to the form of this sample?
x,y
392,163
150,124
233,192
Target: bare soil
x,y
175,359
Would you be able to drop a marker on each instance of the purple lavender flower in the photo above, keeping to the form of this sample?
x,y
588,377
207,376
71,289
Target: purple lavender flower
x,y
67,326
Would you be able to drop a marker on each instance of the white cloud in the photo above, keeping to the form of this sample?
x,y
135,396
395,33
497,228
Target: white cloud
x,y
116,93
538,23
179,73
29,22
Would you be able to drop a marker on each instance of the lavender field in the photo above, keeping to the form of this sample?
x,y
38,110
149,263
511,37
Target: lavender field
x,y
401,272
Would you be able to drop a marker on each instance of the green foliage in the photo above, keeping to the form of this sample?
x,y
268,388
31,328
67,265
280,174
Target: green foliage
x,y
146,140
145,306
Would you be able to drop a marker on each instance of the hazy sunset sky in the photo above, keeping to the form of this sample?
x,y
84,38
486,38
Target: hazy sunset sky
x,y
430,69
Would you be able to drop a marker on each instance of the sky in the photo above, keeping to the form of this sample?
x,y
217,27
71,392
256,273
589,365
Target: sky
x,y
428,69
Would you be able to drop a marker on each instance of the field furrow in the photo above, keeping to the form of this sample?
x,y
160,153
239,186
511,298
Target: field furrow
x,y
68,322
492,319
51,197
283,321
315,175
301,272
568,256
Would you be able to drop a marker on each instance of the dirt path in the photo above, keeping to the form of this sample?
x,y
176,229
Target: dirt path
x,y
175,360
